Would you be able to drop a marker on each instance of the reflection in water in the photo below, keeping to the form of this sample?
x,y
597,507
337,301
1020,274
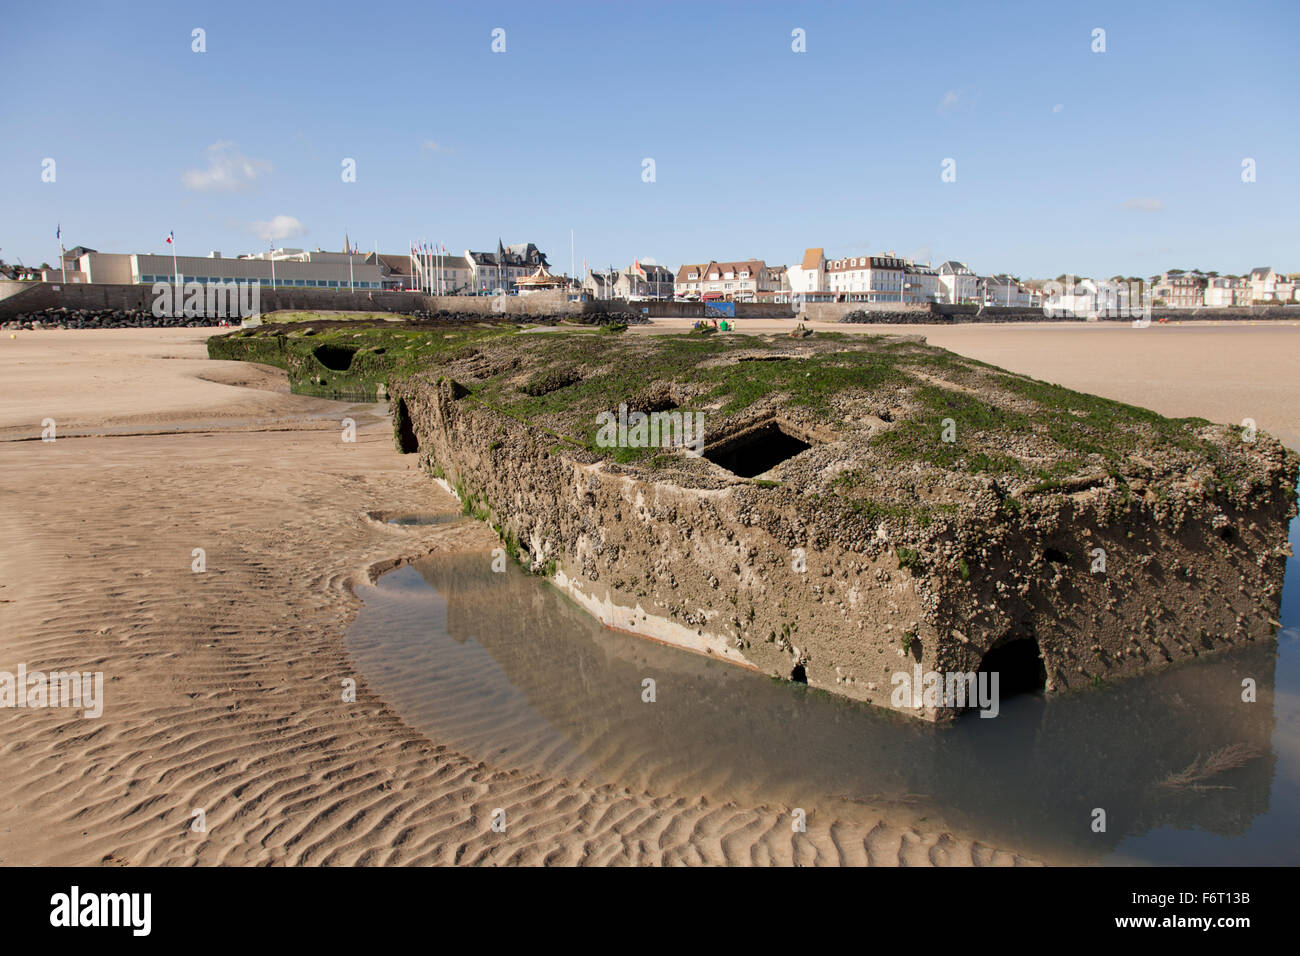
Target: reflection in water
x,y
504,668
429,519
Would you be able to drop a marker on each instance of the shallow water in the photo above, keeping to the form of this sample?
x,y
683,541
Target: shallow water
x,y
425,519
504,668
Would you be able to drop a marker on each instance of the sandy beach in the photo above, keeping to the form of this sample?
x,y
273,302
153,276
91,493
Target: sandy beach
x,y
224,688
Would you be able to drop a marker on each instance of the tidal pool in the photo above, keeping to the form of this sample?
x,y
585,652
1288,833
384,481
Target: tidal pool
x,y
426,519
503,668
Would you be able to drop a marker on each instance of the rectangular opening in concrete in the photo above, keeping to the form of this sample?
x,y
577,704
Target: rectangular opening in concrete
x,y
756,450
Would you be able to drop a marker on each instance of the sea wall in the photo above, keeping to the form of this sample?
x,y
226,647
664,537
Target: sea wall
x,y
942,314
27,297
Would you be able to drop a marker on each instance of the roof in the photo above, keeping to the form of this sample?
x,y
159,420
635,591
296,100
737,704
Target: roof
x,y
518,255
698,268
812,258
872,262
953,267
650,270
753,266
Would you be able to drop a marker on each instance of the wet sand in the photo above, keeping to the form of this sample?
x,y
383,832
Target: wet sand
x,y
224,688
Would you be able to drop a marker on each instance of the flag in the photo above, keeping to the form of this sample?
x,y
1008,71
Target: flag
x,y
444,250
170,236
58,231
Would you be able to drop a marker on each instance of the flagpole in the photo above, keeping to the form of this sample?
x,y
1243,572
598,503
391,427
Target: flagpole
x,y
175,268
272,254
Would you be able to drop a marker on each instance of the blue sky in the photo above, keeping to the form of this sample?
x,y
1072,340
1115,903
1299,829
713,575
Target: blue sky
x,y
1127,161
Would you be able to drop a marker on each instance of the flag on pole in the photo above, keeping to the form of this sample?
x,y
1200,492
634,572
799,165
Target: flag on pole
x,y
58,231
170,236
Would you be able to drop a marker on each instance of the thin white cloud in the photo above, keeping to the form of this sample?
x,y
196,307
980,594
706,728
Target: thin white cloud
x,y
1058,107
951,100
1144,205
228,170
278,227
433,146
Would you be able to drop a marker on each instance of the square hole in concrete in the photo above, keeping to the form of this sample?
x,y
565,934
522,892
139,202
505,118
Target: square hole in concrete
x,y
756,450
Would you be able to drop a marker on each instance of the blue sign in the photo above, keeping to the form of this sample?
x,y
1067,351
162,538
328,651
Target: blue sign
x,y
717,310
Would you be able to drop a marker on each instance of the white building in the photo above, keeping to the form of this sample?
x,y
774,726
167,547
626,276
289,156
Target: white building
x,y
920,283
499,270
1224,291
957,283
1005,292
866,278
1269,286
810,274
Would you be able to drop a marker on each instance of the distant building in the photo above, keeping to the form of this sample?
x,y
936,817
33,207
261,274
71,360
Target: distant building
x,y
293,268
1179,290
441,273
690,280
866,278
920,283
1269,286
601,283
810,274
642,281
958,285
740,281
1005,292
1225,291
489,271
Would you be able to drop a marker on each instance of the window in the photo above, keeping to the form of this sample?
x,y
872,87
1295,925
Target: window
x,y
299,282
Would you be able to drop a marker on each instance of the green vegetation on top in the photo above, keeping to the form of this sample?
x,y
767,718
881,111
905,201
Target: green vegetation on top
x,y
1028,434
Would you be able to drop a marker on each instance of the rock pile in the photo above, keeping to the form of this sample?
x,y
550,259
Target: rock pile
x,y
104,319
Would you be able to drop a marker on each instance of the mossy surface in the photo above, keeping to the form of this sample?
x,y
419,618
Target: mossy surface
x,y
379,354
890,405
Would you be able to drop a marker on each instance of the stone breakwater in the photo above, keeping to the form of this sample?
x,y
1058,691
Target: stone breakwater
x,y
104,319
1167,557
